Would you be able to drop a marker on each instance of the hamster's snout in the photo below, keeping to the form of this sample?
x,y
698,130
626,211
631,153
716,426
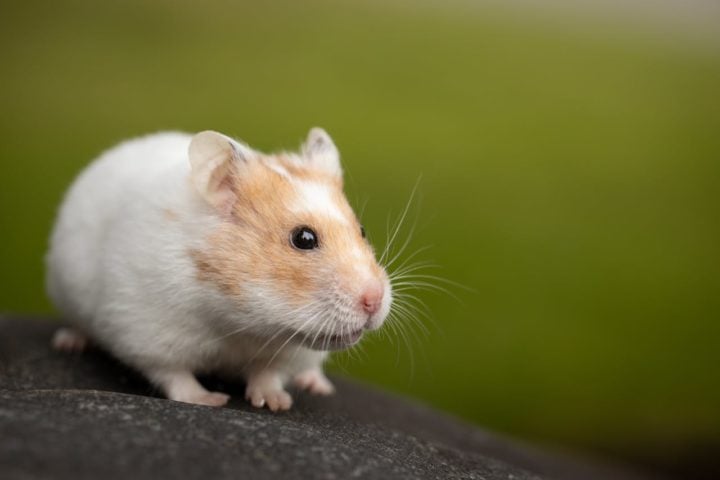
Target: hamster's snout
x,y
371,303
371,298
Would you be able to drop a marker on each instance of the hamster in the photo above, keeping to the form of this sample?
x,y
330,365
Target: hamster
x,y
184,255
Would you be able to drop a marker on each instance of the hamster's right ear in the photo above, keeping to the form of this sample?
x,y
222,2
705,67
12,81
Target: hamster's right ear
x,y
320,150
214,160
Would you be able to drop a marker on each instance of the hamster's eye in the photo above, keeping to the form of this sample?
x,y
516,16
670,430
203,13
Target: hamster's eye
x,y
362,231
304,238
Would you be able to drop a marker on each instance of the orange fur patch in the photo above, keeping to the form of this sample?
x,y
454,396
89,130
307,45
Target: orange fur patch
x,y
254,243
169,214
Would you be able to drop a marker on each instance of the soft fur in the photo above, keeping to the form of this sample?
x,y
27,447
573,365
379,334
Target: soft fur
x,y
173,252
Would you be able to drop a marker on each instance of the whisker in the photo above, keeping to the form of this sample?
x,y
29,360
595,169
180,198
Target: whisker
x,y
399,223
408,314
400,267
300,329
441,279
276,335
428,286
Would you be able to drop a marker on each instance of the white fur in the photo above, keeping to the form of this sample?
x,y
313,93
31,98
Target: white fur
x,y
280,170
120,271
315,197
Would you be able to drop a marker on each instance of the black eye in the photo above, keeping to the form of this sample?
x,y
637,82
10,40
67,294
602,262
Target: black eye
x,y
362,231
304,238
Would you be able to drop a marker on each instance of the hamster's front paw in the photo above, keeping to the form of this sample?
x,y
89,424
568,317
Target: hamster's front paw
x,y
314,381
266,389
275,399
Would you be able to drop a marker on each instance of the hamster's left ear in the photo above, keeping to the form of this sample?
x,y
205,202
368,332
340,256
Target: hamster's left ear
x,y
320,150
214,160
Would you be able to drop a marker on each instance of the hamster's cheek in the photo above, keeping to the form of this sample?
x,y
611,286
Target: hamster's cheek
x,y
213,268
282,273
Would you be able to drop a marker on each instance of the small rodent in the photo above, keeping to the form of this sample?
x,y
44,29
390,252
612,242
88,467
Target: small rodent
x,y
185,254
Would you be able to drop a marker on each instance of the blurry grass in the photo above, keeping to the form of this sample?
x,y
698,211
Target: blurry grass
x,y
572,182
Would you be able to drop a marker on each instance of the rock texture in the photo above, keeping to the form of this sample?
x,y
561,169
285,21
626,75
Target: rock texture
x,y
87,416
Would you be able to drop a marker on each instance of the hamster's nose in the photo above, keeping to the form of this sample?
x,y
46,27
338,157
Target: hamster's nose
x,y
371,298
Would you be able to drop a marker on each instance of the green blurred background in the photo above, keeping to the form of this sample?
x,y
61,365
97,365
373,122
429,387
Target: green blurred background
x,y
569,162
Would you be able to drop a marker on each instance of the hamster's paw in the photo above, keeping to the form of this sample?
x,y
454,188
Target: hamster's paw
x,y
314,381
267,390
69,340
209,399
275,399
182,386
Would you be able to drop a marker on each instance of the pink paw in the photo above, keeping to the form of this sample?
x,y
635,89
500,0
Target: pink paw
x,y
69,340
275,398
209,399
315,382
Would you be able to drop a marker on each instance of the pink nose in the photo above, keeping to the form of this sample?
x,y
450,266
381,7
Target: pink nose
x,y
371,299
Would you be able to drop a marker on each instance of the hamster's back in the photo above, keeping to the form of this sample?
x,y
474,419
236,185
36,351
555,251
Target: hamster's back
x,y
134,173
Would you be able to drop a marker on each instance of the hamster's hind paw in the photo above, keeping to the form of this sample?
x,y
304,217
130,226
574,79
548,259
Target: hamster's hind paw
x,y
182,386
209,399
314,381
69,340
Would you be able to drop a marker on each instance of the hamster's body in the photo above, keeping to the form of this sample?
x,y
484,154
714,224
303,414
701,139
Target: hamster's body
x,y
170,266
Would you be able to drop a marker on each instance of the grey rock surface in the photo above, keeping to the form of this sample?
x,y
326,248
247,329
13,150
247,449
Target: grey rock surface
x,y
87,416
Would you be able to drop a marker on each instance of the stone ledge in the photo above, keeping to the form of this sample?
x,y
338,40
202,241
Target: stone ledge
x,y
70,416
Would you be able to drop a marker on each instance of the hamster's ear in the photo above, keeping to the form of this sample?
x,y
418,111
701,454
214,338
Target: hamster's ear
x,y
214,160
320,151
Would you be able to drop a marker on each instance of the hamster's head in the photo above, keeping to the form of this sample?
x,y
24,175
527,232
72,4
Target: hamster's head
x,y
288,251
